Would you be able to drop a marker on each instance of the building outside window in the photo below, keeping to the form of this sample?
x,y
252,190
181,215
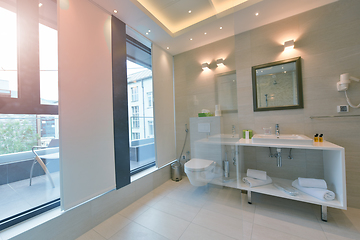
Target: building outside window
x,y
135,117
149,98
151,128
135,136
134,94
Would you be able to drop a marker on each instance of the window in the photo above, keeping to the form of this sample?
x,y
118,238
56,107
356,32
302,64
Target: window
x,y
8,56
151,127
135,117
26,46
134,94
140,88
135,136
149,98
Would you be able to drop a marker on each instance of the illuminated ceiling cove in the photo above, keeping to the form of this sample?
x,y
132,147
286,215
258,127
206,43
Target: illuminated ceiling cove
x,y
179,16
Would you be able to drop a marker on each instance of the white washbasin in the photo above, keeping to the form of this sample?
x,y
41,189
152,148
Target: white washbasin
x,y
289,139
224,138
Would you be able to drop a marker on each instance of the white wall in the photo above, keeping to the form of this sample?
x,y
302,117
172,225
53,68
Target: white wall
x,y
327,39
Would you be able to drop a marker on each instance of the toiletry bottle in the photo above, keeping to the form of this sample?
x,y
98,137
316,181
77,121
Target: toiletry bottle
x,y
316,138
321,138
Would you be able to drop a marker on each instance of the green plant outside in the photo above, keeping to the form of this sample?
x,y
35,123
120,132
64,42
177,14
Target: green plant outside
x,y
17,136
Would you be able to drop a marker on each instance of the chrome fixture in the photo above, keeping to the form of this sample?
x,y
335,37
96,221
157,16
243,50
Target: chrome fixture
x,y
233,131
278,157
271,155
290,157
277,130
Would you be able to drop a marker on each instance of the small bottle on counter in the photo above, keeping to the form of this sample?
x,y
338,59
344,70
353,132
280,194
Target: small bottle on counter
x,y
316,138
321,137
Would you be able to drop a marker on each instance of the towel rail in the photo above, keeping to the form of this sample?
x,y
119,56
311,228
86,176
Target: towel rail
x,y
335,116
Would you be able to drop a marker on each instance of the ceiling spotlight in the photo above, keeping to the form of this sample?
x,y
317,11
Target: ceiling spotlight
x,y
220,62
205,66
167,48
205,33
147,33
149,30
189,11
190,39
257,14
115,11
220,28
40,4
288,45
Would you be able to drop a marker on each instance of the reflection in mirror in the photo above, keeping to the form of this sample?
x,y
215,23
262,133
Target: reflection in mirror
x,y
277,85
226,92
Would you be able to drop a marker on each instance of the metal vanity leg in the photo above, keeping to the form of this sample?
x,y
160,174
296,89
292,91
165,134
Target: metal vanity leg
x,y
324,213
249,197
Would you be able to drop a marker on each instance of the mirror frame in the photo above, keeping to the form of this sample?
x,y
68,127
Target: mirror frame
x,y
300,104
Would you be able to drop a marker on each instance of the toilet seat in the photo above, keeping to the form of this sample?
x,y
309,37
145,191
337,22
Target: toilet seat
x,y
197,164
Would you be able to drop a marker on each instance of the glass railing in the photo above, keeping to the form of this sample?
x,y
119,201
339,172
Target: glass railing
x,y
142,145
19,135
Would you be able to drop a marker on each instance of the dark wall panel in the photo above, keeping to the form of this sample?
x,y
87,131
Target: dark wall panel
x,y
120,104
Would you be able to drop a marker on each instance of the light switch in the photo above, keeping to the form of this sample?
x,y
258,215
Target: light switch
x,y
204,127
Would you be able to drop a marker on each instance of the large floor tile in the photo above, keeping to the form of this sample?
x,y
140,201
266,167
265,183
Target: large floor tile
x,y
229,226
287,220
91,235
12,208
134,231
195,199
262,233
165,224
196,232
177,208
112,225
243,214
8,194
134,210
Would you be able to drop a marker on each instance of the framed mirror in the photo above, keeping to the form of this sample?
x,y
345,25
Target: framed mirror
x,y
277,85
226,92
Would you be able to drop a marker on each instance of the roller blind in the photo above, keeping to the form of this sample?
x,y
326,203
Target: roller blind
x,y
162,65
85,102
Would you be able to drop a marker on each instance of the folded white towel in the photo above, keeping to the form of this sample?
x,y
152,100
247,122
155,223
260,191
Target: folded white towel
x,y
312,182
320,193
256,174
253,182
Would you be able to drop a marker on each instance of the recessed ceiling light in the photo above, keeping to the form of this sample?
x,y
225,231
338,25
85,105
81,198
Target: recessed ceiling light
x,y
40,4
205,33
149,30
115,11
220,28
167,48
189,11
190,39
257,14
147,33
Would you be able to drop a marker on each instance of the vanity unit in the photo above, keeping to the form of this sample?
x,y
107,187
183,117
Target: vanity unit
x,y
333,162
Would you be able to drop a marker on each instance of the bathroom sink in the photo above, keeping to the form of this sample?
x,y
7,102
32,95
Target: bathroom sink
x,y
224,138
290,139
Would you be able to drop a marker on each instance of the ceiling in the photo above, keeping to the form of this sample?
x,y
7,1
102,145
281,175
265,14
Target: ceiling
x,y
169,24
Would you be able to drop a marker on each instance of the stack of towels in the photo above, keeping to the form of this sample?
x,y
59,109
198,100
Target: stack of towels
x,y
255,178
314,187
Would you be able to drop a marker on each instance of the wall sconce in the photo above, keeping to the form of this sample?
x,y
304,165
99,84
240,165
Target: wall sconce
x,y
205,66
288,45
220,62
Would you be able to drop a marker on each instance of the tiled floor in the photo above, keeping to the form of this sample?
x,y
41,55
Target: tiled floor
x,y
181,211
19,196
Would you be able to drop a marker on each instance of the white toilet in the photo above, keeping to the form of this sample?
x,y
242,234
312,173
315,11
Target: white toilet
x,y
200,171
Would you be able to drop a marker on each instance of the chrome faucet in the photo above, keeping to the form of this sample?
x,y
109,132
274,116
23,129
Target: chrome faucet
x,y
277,130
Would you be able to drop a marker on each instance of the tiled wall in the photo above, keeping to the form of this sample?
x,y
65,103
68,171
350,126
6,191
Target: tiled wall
x,y
328,41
